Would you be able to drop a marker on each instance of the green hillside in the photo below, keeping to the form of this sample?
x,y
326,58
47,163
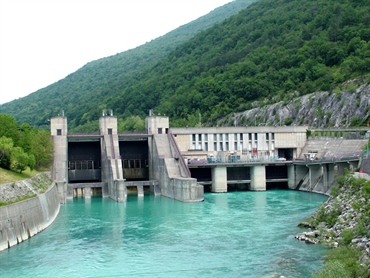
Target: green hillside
x,y
82,94
267,50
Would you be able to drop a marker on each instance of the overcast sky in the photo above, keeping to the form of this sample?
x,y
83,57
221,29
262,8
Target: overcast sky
x,y
42,41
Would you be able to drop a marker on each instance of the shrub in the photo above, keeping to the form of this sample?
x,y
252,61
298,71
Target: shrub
x,y
347,236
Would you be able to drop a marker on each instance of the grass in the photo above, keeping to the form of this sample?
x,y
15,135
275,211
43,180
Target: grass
x,y
7,176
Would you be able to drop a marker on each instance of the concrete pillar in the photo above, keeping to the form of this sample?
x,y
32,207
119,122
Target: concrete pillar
x,y
219,179
330,174
87,192
70,192
155,190
79,192
315,172
341,166
105,191
62,191
140,190
121,190
354,165
59,167
291,176
258,178
296,174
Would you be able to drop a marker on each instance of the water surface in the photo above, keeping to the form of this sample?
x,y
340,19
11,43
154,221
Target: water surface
x,y
238,234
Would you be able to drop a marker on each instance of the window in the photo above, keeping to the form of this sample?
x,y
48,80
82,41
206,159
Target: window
x,y
227,146
206,146
255,136
250,136
226,136
199,137
59,132
193,137
235,136
159,130
110,131
241,136
214,137
215,146
273,136
205,137
220,137
267,136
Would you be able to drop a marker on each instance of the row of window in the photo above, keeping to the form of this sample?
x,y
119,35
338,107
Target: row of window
x,y
225,136
225,146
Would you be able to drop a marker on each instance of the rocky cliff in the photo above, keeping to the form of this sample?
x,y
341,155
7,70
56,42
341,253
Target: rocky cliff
x,y
347,105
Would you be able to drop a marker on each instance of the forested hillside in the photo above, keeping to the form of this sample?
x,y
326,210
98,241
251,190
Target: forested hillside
x,y
83,94
267,51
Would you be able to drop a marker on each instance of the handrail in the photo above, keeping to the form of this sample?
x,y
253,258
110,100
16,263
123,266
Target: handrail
x,y
177,154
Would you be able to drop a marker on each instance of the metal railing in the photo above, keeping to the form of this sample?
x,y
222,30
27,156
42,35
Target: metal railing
x,y
177,154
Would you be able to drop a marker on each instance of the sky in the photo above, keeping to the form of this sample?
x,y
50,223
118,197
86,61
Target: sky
x,y
43,41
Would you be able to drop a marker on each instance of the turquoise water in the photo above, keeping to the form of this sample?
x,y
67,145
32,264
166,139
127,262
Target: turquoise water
x,y
238,234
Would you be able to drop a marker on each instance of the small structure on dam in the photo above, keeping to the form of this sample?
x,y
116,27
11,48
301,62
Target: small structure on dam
x,y
182,163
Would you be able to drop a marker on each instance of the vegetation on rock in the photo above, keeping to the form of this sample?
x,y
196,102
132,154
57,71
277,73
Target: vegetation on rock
x,y
343,223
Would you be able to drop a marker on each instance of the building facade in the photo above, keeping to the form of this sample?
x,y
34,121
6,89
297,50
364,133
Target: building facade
x,y
244,143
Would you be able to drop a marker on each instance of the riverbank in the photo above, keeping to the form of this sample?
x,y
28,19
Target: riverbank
x,y
343,221
26,208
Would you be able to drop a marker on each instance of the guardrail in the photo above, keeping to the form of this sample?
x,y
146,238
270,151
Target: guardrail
x,y
177,154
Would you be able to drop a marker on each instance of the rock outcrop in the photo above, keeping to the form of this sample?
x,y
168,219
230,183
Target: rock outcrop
x,y
349,107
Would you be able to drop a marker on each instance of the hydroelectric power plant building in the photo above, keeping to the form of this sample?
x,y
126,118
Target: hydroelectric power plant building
x,y
183,163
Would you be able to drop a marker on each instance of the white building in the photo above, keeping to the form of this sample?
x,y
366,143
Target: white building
x,y
245,143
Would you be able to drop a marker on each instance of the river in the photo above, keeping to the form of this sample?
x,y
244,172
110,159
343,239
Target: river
x,y
236,234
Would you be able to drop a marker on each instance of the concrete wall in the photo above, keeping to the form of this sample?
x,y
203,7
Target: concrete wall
x,y
165,169
22,220
365,164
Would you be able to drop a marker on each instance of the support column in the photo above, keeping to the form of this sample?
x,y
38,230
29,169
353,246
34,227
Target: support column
x,y
87,192
315,172
62,191
341,166
140,190
258,178
219,179
291,177
353,165
330,177
121,190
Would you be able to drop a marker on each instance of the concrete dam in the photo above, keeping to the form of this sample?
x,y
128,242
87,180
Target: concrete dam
x,y
183,163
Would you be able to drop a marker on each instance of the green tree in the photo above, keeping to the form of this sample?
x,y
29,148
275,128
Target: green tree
x,y
9,127
21,160
6,147
42,149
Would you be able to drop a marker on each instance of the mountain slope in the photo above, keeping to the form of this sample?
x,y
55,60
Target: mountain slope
x,y
267,51
82,94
